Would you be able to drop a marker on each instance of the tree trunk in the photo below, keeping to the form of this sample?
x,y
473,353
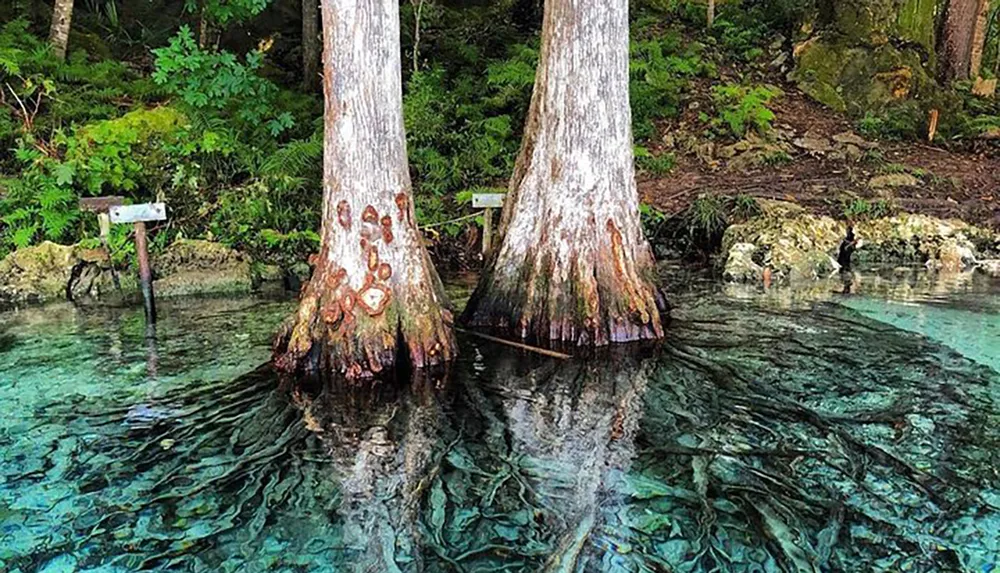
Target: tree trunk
x,y
572,265
204,29
310,44
711,13
418,10
962,39
979,39
373,287
62,14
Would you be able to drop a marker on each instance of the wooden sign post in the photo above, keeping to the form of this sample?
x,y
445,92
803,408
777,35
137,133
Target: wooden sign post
x,y
102,206
488,202
138,215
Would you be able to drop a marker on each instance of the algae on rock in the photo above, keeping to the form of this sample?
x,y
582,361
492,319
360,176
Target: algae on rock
x,y
869,54
191,266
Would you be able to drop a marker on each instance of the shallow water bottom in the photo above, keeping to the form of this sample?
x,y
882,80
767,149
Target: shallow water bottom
x,y
772,431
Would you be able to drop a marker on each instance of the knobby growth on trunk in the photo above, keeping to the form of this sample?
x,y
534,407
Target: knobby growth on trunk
x,y
373,289
572,265
62,15
963,38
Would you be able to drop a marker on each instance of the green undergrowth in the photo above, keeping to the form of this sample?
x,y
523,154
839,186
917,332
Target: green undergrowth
x,y
236,150
698,230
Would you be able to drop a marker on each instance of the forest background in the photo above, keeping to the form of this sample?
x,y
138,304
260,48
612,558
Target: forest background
x,y
210,107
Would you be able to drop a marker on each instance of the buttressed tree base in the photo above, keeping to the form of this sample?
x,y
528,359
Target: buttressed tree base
x,y
573,265
374,293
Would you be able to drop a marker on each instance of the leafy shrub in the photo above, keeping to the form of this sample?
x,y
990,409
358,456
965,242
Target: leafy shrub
x,y
654,164
741,108
902,120
226,11
660,70
858,209
217,81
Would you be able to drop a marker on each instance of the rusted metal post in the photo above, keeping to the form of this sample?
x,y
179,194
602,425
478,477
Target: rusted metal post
x,y
138,215
145,272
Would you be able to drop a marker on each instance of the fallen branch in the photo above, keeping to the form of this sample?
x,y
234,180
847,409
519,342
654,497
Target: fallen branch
x,y
520,345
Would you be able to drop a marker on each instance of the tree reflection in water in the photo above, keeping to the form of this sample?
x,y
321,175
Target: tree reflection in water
x,y
753,439
514,469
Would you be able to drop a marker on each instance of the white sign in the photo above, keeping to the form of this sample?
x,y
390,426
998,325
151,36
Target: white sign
x,y
141,212
487,200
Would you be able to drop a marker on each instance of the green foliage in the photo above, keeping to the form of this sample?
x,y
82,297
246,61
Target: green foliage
x,y
858,209
903,120
707,215
660,70
226,11
273,222
654,164
741,108
125,155
741,35
217,81
654,222
42,95
700,228
743,207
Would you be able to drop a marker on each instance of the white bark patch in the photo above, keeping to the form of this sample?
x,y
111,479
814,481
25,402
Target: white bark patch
x,y
365,171
575,181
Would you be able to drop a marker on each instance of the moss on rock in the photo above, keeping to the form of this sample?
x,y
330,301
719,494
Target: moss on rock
x,y
49,271
201,267
858,79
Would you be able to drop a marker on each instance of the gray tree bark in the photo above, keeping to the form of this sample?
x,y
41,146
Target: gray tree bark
x,y
310,44
62,15
373,285
962,39
572,265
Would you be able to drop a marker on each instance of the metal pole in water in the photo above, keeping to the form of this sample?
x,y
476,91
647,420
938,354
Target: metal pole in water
x,y
145,273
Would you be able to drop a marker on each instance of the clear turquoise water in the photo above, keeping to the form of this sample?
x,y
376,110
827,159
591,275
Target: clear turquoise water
x,y
775,431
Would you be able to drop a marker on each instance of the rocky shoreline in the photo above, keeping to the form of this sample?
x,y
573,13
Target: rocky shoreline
x,y
50,272
787,243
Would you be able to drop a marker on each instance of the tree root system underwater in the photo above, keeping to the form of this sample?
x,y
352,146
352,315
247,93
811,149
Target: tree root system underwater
x,y
756,437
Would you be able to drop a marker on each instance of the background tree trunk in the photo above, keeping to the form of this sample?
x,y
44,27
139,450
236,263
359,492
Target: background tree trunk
x,y
62,15
373,285
979,39
962,39
572,264
310,44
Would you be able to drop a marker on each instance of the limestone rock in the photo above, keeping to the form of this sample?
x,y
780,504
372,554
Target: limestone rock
x,y
813,143
49,271
36,274
989,266
851,138
893,180
740,266
798,245
201,267
955,254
